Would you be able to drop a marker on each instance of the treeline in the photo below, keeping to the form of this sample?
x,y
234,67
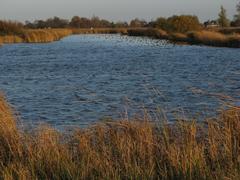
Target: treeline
x,y
180,23
75,22
224,21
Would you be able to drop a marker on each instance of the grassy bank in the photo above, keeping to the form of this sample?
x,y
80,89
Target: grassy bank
x,y
136,149
50,35
36,36
203,37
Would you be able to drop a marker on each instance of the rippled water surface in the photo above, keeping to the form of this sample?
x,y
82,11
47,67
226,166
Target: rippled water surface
x,y
84,78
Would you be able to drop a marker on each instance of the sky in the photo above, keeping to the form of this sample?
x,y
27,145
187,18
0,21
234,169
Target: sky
x,y
113,10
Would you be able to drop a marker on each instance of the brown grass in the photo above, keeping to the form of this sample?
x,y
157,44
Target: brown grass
x,y
229,30
137,149
36,36
10,39
178,37
45,35
214,39
210,38
50,35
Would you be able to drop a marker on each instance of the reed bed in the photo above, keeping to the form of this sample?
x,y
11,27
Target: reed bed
x,y
210,38
10,39
127,149
36,36
45,35
214,39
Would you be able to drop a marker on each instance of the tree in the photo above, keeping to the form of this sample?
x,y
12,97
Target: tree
x,y
138,23
222,18
10,27
75,22
237,16
236,20
161,22
183,23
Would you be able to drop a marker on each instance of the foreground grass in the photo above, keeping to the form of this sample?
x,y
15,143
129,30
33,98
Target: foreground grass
x,y
137,149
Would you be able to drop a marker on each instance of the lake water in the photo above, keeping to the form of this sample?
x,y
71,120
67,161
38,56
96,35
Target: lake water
x,y
84,78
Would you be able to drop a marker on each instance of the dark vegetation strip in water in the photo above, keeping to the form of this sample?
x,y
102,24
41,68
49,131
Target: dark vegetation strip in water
x,y
128,149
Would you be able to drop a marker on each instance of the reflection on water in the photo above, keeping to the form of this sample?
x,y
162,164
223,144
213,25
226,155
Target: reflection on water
x,y
83,78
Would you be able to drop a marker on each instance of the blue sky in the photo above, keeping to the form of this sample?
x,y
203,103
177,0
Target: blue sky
x,y
112,9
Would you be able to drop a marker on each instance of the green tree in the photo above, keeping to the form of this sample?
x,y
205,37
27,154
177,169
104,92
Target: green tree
x,y
222,18
237,16
236,20
162,23
183,23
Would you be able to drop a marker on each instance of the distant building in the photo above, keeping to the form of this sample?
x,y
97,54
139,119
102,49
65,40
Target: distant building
x,y
211,24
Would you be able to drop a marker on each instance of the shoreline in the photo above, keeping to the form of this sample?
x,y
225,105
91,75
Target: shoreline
x,y
204,37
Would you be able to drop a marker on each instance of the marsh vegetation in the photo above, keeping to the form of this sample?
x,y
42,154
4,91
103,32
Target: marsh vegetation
x,y
139,148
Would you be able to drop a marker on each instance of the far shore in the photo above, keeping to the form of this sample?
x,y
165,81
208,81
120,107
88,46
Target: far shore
x,y
224,37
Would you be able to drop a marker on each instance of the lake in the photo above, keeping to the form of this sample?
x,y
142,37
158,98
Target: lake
x,y
85,78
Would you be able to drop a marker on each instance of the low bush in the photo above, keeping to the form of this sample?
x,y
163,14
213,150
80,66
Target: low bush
x,y
149,32
181,24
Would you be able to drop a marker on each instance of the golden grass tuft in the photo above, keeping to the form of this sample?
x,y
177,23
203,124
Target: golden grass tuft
x,y
10,39
45,35
208,37
214,39
136,149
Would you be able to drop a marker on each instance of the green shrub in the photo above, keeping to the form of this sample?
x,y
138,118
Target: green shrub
x,y
182,24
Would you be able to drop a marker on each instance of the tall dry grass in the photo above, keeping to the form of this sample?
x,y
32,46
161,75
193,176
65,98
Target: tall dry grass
x,y
214,39
136,149
10,39
45,35
36,36
50,35
210,38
